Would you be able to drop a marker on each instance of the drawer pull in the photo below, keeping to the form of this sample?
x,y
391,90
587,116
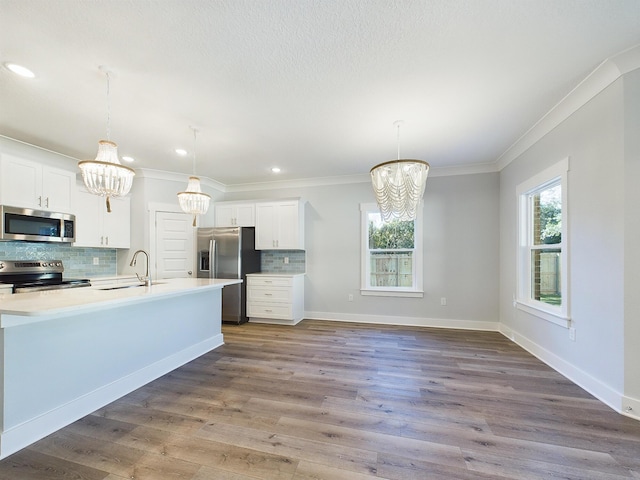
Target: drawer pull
x,y
268,310
268,294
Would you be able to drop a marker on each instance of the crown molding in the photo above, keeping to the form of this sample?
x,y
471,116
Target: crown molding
x,y
178,177
604,75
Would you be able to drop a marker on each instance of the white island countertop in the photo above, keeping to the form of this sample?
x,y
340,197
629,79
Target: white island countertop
x,y
23,308
67,353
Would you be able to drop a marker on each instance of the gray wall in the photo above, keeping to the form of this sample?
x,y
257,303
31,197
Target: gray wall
x,y
632,236
593,138
461,232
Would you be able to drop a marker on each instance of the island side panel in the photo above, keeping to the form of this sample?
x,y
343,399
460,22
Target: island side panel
x,y
60,370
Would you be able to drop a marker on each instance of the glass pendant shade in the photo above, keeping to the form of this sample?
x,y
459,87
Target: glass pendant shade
x,y
192,200
105,176
398,186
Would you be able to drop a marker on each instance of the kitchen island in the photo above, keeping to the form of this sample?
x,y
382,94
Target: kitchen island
x,y
67,353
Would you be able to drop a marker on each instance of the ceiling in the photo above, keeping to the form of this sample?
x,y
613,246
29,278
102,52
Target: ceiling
x,y
310,86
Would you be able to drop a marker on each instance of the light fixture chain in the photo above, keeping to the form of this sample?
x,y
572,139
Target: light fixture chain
x,y
398,139
195,131
108,107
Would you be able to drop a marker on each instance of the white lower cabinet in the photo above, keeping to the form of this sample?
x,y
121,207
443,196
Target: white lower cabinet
x,y
275,298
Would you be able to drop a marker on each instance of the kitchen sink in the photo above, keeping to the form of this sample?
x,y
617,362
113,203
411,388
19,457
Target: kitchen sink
x,y
135,285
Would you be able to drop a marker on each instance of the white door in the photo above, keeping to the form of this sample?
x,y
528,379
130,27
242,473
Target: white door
x,y
174,245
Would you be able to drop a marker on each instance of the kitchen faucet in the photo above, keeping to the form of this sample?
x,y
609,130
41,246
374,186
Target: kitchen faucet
x,y
147,278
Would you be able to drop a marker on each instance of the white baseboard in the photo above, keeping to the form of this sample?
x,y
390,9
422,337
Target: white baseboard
x,y
631,407
37,428
595,387
407,321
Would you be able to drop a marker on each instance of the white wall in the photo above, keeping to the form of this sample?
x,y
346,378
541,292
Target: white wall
x,y
593,139
461,228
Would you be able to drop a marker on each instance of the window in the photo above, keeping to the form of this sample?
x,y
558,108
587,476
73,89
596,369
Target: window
x,y
542,262
391,255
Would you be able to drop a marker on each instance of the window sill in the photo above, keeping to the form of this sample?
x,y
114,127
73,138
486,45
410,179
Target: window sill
x,y
392,293
550,316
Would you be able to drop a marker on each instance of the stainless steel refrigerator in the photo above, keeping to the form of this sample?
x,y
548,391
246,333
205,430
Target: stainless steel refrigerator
x,y
228,252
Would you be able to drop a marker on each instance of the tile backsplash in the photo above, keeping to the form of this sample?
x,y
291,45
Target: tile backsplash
x,y
78,262
273,261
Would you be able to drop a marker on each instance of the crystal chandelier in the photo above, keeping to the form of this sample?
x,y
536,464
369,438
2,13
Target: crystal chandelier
x,y
105,176
192,200
399,185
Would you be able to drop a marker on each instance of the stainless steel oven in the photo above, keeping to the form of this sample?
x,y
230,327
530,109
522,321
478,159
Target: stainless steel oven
x,y
37,275
36,225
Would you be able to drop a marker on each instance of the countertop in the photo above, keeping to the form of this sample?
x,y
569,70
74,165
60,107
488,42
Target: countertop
x,y
54,303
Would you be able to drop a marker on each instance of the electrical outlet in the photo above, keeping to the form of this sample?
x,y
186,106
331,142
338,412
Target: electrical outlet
x,y
286,260
443,301
96,260
351,297
572,334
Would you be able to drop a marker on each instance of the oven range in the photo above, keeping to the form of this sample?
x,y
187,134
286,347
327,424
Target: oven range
x,y
37,275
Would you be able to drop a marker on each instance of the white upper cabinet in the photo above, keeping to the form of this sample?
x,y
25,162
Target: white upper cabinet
x,y
280,225
95,227
29,184
235,214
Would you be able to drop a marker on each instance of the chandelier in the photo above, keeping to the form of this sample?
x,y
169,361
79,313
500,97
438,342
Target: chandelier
x,y
105,176
192,200
399,185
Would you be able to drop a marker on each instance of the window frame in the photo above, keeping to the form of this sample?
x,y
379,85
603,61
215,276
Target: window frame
x,y
554,175
416,290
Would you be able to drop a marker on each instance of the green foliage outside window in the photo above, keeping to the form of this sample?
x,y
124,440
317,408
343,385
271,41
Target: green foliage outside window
x,y
550,215
391,235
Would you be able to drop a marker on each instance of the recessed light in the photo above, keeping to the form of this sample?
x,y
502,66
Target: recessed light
x,y
275,169
20,70
181,151
128,159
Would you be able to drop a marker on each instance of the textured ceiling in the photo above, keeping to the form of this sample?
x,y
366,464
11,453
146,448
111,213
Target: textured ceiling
x,y
310,86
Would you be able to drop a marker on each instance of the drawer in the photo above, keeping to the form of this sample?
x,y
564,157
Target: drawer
x,y
269,294
266,310
270,281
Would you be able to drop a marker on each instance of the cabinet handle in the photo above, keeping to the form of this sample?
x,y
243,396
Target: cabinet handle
x,y
40,201
268,310
107,240
102,240
47,202
268,294
190,272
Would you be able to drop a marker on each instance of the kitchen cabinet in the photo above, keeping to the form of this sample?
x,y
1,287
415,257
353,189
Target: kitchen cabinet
x,y
235,214
95,227
29,184
280,225
275,298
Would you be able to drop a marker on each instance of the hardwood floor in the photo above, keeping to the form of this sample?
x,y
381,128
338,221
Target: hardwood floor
x,y
328,400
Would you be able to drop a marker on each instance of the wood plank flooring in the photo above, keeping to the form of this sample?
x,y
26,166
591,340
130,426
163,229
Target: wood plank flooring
x,y
338,401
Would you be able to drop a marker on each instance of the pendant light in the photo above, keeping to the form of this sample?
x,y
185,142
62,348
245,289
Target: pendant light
x,y
399,185
105,176
192,200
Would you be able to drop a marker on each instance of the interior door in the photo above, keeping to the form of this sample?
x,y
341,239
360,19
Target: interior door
x,y
174,245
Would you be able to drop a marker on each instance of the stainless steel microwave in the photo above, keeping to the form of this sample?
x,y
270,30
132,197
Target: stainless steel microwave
x,y
36,225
